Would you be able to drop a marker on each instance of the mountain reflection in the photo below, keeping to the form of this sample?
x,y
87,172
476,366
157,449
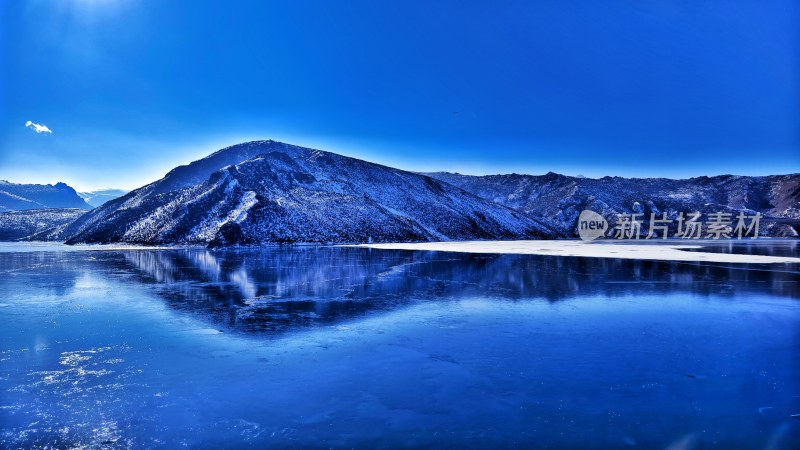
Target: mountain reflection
x,y
274,290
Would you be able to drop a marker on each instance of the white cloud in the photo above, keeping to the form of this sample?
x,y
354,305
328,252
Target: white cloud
x,y
37,127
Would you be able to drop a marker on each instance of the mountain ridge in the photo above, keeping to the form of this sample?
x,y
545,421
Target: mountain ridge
x,y
562,197
16,196
264,192
268,192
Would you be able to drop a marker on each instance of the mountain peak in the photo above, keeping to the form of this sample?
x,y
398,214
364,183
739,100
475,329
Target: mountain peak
x,y
198,171
262,192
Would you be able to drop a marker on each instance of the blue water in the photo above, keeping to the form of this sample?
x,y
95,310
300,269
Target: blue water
x,y
347,347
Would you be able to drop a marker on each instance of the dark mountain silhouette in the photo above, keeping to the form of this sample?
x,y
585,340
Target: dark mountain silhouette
x,y
38,196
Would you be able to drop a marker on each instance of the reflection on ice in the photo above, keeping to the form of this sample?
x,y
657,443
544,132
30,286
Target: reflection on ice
x,y
242,280
280,289
343,347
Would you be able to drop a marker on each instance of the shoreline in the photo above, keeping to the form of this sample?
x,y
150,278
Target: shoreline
x,y
655,251
647,250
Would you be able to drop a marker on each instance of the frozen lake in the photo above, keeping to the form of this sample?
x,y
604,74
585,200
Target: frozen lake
x,y
343,347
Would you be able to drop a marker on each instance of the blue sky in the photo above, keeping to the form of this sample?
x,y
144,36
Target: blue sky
x,y
131,88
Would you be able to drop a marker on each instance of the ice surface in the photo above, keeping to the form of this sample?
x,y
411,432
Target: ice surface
x,y
663,251
356,347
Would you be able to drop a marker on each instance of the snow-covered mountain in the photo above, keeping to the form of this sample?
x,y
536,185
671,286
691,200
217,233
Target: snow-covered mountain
x,y
265,192
15,196
561,198
36,224
100,196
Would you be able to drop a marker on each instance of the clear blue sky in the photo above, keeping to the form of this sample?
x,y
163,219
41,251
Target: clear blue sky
x,y
132,88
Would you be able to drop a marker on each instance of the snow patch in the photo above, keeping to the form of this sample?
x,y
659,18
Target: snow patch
x,y
654,251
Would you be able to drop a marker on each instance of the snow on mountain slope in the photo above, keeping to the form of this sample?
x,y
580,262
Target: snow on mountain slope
x,y
16,225
266,192
562,198
11,202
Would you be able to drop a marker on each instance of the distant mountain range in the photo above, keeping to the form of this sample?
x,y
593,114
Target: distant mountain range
x,y
266,192
38,196
100,196
561,198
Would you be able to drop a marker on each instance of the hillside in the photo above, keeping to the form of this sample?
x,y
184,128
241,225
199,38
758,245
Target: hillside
x,y
561,198
265,192
44,223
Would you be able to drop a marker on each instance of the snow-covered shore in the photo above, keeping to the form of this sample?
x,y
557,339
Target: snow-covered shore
x,y
45,246
651,251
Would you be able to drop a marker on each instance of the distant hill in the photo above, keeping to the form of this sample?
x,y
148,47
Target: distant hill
x,y
38,196
265,192
100,196
16,225
561,198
